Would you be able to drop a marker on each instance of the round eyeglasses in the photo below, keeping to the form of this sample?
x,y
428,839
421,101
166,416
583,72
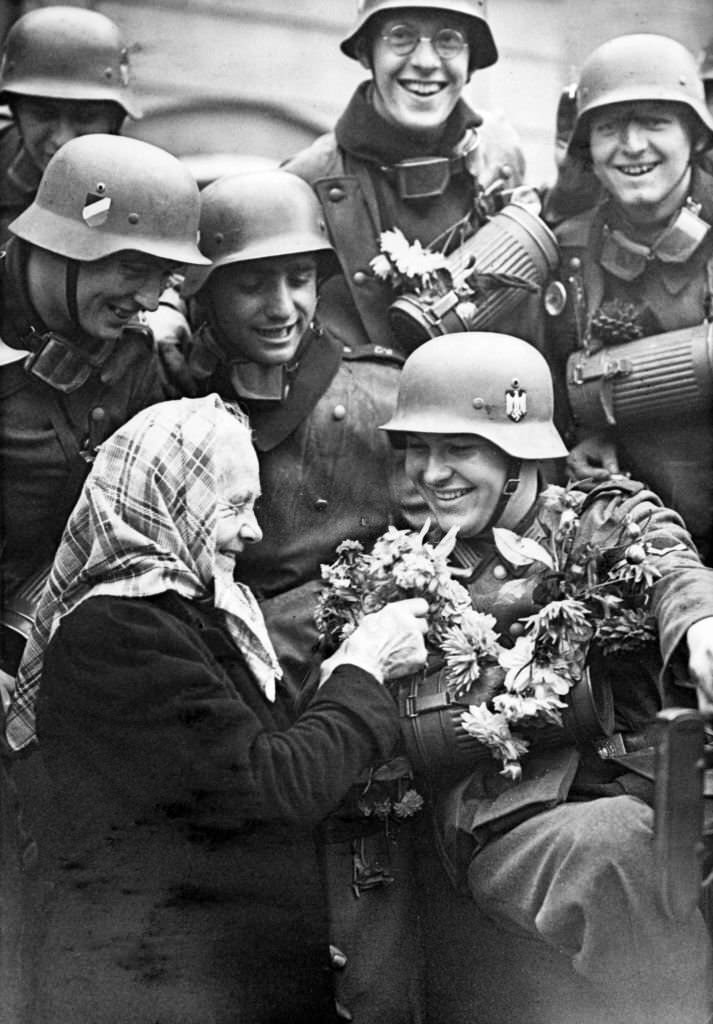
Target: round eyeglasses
x,y
403,39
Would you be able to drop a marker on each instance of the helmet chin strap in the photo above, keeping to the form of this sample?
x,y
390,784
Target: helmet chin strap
x,y
251,380
512,482
71,276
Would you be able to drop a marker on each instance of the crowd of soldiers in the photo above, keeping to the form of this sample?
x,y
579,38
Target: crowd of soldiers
x,y
575,353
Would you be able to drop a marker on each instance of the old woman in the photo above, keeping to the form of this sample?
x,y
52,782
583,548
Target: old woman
x,y
185,876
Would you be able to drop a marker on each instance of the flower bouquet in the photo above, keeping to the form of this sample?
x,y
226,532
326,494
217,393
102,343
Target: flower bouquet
x,y
589,601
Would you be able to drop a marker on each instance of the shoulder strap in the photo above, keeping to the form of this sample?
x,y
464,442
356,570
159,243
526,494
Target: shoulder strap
x,y
376,353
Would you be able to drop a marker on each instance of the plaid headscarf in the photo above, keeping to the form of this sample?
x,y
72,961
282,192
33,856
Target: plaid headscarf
x,y
145,523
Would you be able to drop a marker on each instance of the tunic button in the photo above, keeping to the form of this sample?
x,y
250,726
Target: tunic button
x,y
360,277
336,194
517,629
500,572
339,412
320,504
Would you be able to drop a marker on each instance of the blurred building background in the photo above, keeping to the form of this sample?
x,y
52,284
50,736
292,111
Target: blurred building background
x,y
260,78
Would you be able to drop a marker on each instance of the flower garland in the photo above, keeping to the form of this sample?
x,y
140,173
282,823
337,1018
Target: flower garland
x,y
586,595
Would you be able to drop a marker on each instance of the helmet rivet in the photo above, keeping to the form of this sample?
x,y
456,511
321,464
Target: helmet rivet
x,y
478,403
682,81
108,72
100,188
219,237
133,218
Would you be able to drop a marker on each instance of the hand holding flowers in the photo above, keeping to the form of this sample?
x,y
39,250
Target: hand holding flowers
x,y
585,597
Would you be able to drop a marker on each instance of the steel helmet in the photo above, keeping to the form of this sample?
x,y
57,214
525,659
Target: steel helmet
x,y
67,53
482,383
483,51
256,215
637,67
102,194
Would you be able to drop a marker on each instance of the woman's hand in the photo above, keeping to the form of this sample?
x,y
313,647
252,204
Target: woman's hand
x,y
700,660
387,644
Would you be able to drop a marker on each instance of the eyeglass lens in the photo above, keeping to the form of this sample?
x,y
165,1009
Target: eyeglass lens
x,y
447,42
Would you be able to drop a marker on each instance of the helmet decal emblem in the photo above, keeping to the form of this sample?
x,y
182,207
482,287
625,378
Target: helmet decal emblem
x,y
515,401
96,209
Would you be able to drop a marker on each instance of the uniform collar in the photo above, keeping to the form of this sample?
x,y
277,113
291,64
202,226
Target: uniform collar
x,y
273,422
479,552
320,361
627,259
362,132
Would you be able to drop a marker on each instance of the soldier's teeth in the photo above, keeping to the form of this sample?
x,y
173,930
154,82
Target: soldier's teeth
x,y
636,170
423,88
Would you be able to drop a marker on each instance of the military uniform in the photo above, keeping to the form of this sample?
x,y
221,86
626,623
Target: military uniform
x,y
47,436
560,865
352,172
675,456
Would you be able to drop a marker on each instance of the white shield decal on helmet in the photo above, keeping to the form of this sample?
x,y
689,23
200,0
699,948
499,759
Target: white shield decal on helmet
x,y
96,209
515,401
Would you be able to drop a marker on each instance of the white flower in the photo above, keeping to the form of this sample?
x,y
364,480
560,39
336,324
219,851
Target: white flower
x,y
400,258
515,707
546,682
483,724
381,265
518,662
493,729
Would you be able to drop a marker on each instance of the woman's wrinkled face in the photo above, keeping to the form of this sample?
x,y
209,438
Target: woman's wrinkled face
x,y
641,154
262,308
237,491
460,476
417,91
45,123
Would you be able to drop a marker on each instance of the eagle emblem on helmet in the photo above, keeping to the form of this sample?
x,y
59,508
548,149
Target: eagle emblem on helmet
x,y
515,401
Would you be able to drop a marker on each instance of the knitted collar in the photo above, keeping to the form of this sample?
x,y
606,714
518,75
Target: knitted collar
x,y
363,132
